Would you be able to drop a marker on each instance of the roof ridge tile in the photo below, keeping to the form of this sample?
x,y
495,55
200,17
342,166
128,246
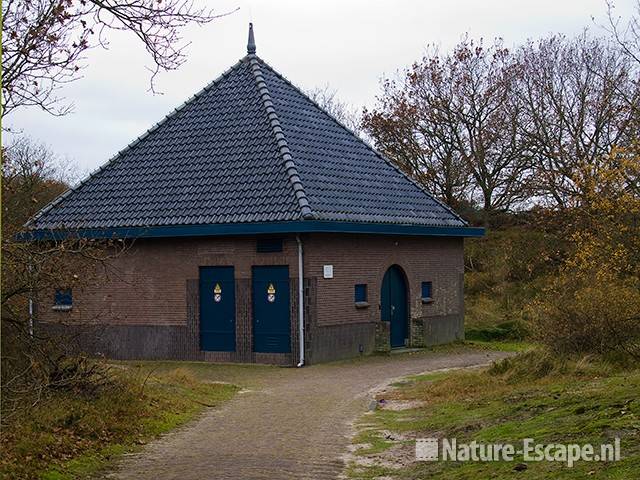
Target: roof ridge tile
x,y
369,146
289,165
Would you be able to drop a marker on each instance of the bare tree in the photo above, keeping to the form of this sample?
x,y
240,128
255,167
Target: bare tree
x,y
452,123
44,41
576,95
625,33
327,98
33,361
419,141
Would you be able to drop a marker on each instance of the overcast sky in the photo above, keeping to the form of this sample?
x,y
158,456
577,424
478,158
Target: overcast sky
x,y
349,45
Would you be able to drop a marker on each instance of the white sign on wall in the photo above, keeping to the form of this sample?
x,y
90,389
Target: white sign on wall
x,y
327,271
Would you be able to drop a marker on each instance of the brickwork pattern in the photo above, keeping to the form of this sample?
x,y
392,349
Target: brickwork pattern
x,y
365,259
147,305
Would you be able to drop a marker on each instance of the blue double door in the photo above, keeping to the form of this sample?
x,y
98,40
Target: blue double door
x,y
271,309
393,305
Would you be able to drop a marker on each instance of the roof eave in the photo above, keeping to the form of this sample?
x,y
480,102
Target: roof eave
x,y
306,226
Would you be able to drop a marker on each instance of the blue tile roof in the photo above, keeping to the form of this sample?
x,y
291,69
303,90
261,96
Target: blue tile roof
x,y
250,147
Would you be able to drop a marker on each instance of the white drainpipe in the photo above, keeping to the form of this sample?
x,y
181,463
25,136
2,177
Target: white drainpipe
x,y
30,316
300,302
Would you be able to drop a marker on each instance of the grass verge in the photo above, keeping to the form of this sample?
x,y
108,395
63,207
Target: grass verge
x,y
500,346
529,396
69,435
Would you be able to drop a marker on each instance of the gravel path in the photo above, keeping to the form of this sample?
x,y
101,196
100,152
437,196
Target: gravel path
x,y
291,423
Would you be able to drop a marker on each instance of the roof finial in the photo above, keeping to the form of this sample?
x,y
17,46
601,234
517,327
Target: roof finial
x,y
251,44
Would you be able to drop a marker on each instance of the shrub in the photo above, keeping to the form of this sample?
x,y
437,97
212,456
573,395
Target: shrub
x,y
541,362
512,330
599,317
535,364
593,306
504,271
513,254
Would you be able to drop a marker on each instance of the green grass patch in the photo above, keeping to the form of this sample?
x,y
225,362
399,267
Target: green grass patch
x,y
426,377
501,346
369,472
530,396
372,441
71,435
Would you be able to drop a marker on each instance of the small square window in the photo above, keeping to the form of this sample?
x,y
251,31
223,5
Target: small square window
x,y
361,292
426,292
63,299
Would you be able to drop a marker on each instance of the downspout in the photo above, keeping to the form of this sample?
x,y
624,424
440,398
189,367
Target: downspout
x,y
30,315
300,301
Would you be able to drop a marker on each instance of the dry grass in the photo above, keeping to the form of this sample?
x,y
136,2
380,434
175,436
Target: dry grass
x,y
534,395
71,435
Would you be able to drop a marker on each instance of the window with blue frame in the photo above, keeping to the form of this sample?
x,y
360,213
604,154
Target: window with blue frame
x,y
360,293
63,299
427,292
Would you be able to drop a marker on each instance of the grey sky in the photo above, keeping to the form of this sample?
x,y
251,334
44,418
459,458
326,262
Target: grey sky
x,y
349,45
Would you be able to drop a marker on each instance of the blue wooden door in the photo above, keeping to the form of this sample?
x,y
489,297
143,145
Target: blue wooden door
x,y
393,305
271,314
217,309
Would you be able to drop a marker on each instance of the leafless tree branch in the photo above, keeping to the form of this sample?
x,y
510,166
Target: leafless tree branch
x,y
45,42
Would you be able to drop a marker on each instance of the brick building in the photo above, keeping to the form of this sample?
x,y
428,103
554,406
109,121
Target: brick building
x,y
261,230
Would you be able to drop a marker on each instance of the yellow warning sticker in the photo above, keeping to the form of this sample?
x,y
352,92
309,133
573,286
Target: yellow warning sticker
x,y
217,288
271,289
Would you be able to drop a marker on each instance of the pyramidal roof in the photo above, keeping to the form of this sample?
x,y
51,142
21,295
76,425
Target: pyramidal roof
x,y
250,148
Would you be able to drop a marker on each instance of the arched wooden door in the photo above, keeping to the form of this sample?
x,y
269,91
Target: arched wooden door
x,y
393,305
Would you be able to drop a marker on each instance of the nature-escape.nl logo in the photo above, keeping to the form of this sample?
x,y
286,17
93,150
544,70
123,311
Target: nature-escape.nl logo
x,y
433,449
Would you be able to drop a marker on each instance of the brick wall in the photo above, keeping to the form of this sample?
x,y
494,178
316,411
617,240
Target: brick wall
x,y
365,259
146,304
